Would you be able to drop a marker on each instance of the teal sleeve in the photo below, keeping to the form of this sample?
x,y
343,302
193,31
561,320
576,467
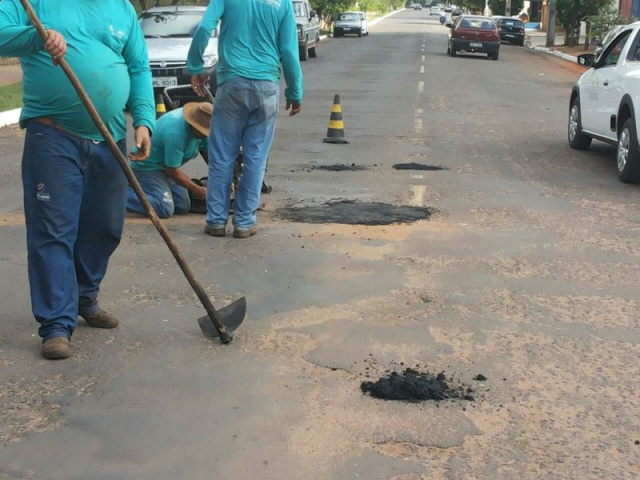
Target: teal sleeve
x,y
203,33
173,150
141,102
290,56
18,37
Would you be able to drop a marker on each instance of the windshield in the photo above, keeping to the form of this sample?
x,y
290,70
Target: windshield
x,y
349,17
512,23
300,9
478,23
170,24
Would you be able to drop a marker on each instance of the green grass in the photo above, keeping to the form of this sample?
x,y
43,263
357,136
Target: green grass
x,y
10,97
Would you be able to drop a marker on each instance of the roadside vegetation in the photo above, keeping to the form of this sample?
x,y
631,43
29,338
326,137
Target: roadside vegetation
x,y
10,97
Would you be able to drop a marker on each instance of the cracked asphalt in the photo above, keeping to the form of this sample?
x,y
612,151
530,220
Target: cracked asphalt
x,y
528,273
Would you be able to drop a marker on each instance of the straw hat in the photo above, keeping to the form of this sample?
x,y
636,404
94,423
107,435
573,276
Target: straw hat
x,y
198,115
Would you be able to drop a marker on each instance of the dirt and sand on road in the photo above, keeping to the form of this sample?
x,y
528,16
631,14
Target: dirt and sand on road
x,y
526,273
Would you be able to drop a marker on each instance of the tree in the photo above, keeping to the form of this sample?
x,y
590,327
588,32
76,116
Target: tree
x,y
498,6
474,5
571,12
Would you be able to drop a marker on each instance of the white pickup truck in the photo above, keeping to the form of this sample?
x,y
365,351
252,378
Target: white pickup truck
x,y
605,102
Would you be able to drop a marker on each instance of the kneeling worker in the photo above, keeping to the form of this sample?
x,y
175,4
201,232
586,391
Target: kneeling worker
x,y
179,136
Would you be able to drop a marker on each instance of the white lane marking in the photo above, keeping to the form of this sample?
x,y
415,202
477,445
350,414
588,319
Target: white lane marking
x,y
417,125
423,58
418,112
420,87
421,68
417,197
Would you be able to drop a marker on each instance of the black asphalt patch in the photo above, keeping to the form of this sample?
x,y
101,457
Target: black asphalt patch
x,y
357,213
340,167
414,386
418,166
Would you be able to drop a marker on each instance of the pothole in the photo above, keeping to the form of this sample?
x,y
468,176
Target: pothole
x,y
418,166
357,213
413,386
340,167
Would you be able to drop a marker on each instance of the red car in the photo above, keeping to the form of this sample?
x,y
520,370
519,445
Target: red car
x,y
474,34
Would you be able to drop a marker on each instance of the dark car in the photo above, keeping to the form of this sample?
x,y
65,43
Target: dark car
x,y
308,29
474,34
456,12
511,30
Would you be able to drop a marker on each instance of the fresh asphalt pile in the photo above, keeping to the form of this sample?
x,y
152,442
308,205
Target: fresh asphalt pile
x,y
414,386
356,213
340,167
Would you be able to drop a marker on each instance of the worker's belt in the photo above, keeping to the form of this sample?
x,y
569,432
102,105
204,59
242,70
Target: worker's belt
x,y
52,123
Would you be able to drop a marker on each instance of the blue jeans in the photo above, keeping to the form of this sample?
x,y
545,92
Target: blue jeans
x,y
74,204
245,115
164,194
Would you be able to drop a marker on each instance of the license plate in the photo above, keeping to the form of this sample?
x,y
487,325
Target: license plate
x,y
346,29
475,45
508,35
165,81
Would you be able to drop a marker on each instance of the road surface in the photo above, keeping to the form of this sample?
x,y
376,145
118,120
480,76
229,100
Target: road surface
x,y
528,274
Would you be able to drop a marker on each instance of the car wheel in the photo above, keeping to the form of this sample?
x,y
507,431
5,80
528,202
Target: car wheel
x,y
360,33
304,53
494,56
313,52
628,154
521,43
577,139
452,51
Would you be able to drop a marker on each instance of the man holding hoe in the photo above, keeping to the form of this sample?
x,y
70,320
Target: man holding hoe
x,y
74,189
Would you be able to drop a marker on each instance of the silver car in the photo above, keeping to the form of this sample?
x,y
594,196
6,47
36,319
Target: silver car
x,y
350,23
168,32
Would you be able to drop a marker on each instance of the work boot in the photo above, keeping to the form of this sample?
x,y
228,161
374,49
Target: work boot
x,y
56,348
101,319
241,233
215,231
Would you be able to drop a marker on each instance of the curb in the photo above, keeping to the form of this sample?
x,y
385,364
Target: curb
x,y
555,53
10,117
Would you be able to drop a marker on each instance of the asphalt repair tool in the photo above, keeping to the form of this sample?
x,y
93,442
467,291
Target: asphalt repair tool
x,y
221,323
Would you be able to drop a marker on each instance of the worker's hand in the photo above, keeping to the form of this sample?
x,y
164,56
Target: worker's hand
x,y
198,83
143,144
56,45
200,192
296,108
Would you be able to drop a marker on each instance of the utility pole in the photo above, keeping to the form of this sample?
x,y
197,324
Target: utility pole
x,y
507,9
551,24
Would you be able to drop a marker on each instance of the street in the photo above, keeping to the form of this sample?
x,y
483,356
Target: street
x,y
527,272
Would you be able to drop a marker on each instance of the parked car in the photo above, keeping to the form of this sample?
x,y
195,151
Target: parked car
x,y
168,32
511,30
456,12
435,10
350,23
474,34
605,100
308,25
610,35
417,6
448,8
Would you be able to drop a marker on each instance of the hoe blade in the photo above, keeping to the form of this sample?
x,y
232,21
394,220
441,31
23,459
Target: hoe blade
x,y
231,317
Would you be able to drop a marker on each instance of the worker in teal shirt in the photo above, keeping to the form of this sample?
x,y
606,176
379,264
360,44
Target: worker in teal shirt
x,y
256,36
74,189
180,135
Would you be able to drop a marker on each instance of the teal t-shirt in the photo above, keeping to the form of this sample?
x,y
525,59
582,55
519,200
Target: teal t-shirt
x,y
255,37
106,50
172,144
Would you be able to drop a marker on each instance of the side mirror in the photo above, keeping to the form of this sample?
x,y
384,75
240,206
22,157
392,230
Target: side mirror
x,y
449,24
586,59
313,14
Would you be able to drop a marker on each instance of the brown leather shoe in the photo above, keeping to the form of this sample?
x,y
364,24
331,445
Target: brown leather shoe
x,y
215,231
56,348
101,319
240,233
